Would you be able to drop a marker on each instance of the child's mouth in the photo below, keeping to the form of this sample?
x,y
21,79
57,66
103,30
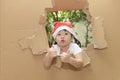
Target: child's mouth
x,y
62,41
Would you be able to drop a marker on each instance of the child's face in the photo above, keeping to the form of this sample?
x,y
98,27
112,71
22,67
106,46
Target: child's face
x,y
63,38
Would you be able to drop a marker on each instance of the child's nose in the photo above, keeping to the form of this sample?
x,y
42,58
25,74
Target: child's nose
x,y
62,36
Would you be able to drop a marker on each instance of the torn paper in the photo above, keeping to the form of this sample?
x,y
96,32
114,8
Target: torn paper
x,y
98,33
34,43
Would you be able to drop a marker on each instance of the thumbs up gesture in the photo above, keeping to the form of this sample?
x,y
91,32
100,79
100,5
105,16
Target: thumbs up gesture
x,y
65,56
52,52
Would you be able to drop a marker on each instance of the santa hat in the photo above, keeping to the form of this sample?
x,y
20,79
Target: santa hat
x,y
58,26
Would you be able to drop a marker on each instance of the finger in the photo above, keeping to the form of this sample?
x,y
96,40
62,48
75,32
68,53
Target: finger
x,y
63,54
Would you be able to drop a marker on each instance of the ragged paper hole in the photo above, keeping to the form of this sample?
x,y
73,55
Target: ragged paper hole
x,y
89,30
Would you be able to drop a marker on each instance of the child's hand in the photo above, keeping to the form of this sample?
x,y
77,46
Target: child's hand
x,y
50,55
65,56
52,52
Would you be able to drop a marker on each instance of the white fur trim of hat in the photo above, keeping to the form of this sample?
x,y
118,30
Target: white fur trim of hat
x,y
61,26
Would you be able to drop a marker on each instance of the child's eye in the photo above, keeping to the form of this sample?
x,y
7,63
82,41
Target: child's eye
x,y
66,33
58,34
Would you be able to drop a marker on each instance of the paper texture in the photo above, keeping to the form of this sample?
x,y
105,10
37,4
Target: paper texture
x,y
98,33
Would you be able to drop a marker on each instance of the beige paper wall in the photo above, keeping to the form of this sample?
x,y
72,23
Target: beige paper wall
x,y
19,19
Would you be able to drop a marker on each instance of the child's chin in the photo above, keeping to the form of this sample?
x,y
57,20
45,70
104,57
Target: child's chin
x,y
62,45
